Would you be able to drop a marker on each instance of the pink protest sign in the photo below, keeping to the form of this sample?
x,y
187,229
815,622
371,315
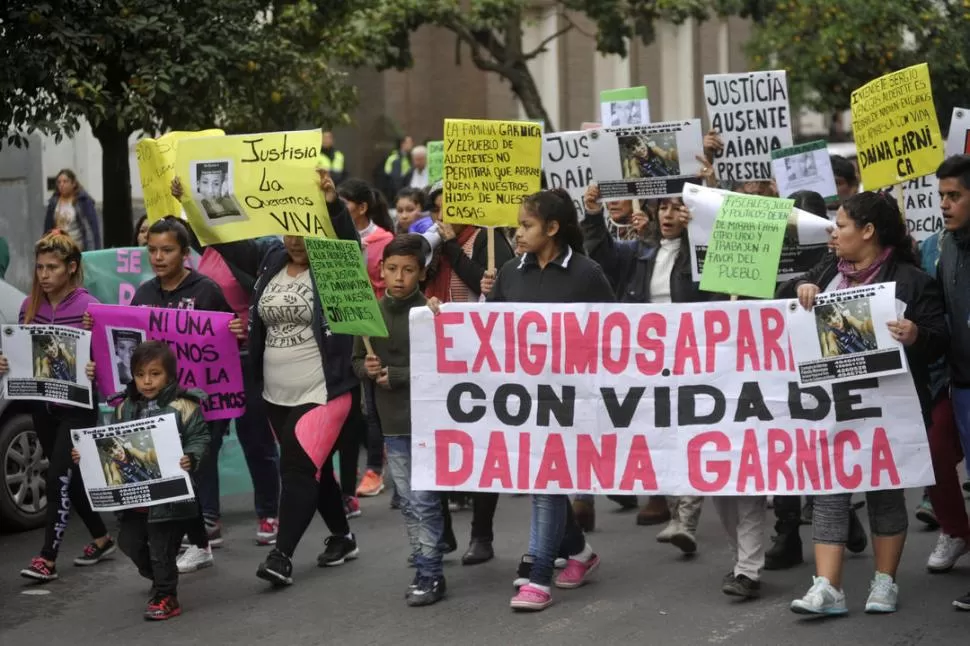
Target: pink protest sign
x,y
207,352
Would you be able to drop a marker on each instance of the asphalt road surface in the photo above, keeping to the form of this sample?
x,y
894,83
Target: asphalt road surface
x,y
643,593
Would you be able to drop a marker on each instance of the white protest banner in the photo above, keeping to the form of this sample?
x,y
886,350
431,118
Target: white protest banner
x,y
565,163
803,247
133,464
625,107
921,206
47,363
646,399
958,139
844,336
806,167
645,161
752,114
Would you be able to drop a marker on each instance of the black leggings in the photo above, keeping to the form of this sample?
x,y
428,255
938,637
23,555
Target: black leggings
x,y
375,436
302,494
65,488
352,434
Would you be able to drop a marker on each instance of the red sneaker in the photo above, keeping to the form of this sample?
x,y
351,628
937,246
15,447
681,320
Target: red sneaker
x,y
162,607
38,570
351,507
267,531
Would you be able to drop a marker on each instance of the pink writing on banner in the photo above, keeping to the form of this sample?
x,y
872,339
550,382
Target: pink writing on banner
x,y
206,351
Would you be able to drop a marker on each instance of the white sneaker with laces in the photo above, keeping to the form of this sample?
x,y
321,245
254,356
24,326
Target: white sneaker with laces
x,y
883,592
194,558
821,599
946,553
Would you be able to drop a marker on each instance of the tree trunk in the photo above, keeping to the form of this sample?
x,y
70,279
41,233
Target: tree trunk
x,y
524,87
116,186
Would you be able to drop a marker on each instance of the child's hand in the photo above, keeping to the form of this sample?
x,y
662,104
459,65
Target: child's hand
x,y
75,455
89,370
434,305
177,189
4,365
328,187
186,463
383,380
237,329
372,364
87,321
488,282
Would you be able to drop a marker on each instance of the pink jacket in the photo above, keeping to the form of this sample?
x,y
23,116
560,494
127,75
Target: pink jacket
x,y
373,252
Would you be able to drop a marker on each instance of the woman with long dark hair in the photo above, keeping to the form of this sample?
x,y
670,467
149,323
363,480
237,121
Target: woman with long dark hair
x,y
72,210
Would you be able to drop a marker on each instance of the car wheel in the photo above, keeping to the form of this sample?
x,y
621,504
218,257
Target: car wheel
x,y
23,492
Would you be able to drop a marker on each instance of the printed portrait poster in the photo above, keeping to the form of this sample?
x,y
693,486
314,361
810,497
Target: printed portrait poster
x,y
804,244
751,111
845,337
133,464
894,125
249,186
675,399
806,167
47,363
624,107
566,164
958,139
646,161
206,351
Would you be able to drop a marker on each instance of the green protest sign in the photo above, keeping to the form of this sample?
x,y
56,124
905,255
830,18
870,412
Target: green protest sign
x,y
345,291
745,245
436,161
113,275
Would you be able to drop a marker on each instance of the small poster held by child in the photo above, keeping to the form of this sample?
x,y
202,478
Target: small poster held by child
x,y
47,363
133,464
851,339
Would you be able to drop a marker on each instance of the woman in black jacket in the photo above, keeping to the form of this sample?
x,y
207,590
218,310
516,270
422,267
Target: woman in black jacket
x,y
655,269
307,381
872,246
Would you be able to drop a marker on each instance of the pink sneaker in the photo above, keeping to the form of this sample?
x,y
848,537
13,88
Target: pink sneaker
x,y
531,598
576,572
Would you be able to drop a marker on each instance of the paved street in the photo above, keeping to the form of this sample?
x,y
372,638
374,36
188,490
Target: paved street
x,y
643,593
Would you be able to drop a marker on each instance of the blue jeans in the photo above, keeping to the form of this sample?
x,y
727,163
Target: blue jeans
x,y
549,513
961,413
421,509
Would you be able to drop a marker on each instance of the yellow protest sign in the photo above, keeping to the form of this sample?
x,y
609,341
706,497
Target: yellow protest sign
x,y
896,132
489,167
248,186
156,165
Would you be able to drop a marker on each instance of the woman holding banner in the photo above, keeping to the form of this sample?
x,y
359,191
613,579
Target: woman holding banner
x,y
553,269
872,246
653,270
308,383
57,298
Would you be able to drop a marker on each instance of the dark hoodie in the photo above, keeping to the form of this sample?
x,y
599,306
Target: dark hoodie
x,y
196,292
953,278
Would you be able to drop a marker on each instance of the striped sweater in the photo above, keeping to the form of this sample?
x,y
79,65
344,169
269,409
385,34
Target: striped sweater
x,y
68,312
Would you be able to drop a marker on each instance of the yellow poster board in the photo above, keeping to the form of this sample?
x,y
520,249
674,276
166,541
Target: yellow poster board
x,y
489,167
249,186
896,132
156,166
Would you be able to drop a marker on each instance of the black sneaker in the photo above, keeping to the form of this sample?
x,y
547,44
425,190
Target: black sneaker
x,y
339,550
742,586
277,569
413,584
38,570
963,603
427,591
93,554
524,571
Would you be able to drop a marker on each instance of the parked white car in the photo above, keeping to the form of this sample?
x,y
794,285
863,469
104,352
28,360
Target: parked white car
x,y
23,491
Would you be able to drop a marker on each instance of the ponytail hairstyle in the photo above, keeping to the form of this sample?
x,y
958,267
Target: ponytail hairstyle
x,y
67,251
360,192
416,195
881,210
556,206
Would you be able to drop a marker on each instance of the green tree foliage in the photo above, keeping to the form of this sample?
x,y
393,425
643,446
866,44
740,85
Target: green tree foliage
x,y
130,65
832,47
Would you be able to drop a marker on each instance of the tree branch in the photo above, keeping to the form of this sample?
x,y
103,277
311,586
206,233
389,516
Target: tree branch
x,y
465,35
541,47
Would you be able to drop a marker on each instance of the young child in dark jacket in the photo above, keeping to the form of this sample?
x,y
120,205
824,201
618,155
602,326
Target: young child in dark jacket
x,y
151,536
388,364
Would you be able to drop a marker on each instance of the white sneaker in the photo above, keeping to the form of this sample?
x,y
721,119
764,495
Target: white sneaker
x,y
821,599
194,558
948,549
883,592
